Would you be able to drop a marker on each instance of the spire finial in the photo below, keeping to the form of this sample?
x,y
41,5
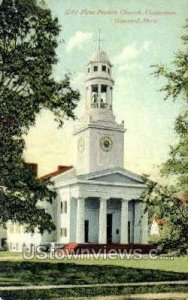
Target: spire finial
x,y
99,41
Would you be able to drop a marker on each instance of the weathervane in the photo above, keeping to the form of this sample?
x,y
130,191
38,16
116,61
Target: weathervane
x,y
99,40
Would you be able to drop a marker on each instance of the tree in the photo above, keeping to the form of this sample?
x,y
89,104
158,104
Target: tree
x,y
167,204
177,88
28,40
166,200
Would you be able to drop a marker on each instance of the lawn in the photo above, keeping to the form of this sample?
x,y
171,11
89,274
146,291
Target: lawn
x,y
43,273
15,271
82,292
174,264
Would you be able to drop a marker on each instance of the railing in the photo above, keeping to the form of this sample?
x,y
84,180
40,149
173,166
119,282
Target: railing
x,y
101,105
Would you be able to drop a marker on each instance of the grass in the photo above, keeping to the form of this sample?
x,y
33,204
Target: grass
x,y
174,264
7,254
82,292
44,273
15,271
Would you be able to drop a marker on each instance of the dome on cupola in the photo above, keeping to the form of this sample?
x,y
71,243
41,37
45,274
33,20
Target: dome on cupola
x,y
99,56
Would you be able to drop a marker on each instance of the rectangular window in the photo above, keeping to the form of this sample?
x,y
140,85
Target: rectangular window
x,y
11,228
65,207
103,88
103,68
88,70
94,88
95,69
63,232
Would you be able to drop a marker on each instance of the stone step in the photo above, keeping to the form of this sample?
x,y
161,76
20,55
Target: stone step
x,y
104,248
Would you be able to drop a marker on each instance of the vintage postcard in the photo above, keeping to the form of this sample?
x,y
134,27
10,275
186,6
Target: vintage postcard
x,y
93,112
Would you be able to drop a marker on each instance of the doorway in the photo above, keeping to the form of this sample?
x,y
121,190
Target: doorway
x,y
129,232
109,228
86,231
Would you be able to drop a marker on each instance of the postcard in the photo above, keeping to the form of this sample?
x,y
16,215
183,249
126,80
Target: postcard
x,y
93,135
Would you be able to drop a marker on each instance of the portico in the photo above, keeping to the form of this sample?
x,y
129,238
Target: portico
x,y
103,221
98,219
100,210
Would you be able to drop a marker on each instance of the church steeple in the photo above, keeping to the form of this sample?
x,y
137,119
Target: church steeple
x,y
99,138
99,82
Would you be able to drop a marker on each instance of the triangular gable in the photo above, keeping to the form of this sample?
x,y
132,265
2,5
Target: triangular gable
x,y
116,177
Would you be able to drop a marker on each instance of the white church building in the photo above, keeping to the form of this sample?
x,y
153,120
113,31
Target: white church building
x,y
98,201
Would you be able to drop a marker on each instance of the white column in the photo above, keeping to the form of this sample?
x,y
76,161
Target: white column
x,y
87,96
90,97
111,95
102,220
144,229
99,95
108,97
80,226
124,221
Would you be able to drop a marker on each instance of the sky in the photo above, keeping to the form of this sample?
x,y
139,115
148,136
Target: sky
x,y
136,34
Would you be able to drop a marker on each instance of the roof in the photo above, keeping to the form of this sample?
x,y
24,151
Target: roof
x,y
99,55
159,221
60,169
102,173
181,196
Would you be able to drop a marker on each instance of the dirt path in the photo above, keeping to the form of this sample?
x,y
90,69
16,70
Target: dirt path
x,y
166,296
71,286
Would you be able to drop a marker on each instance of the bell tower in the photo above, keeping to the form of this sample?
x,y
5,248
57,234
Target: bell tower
x,y
99,138
99,83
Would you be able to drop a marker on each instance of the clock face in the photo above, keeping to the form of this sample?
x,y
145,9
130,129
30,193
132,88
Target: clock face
x,y
81,144
106,143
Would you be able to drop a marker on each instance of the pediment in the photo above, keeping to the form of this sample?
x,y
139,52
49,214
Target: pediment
x,y
116,177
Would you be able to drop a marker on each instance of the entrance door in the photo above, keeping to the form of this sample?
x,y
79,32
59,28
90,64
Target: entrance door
x,y
86,231
109,228
129,232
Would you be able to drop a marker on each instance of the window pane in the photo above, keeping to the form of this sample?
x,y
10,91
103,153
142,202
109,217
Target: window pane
x,y
95,88
65,207
104,68
103,88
